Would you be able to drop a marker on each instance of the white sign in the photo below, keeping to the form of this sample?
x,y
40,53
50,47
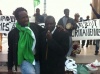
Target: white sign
x,y
7,23
87,30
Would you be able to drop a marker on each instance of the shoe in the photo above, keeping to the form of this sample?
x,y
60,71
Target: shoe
x,y
96,52
87,46
96,63
91,67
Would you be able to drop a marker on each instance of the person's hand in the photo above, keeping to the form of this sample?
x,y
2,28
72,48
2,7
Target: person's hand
x,y
71,26
60,28
90,4
48,35
34,14
10,72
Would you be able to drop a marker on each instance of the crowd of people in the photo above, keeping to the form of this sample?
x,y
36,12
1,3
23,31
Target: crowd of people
x,y
38,50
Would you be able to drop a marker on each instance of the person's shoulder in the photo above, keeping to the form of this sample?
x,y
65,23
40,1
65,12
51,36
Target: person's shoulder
x,y
41,16
71,18
61,19
34,25
13,31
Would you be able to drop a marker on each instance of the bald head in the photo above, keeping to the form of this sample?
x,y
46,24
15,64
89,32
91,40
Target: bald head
x,y
50,18
87,17
77,15
50,23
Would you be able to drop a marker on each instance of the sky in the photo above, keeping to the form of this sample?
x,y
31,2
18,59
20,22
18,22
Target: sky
x,y
53,7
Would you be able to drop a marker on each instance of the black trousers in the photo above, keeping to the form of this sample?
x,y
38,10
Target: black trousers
x,y
88,42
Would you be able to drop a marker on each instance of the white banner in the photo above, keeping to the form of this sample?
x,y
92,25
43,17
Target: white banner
x,y
7,23
87,30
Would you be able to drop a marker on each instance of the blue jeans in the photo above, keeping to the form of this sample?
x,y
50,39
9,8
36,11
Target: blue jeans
x,y
70,46
28,68
97,45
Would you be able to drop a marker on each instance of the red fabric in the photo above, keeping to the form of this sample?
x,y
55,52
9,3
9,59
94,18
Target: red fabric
x,y
93,66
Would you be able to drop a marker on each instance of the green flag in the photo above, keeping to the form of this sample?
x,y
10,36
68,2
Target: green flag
x,y
36,2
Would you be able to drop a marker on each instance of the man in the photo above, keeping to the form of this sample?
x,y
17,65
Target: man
x,y
76,44
88,41
76,17
97,41
69,24
54,46
23,44
38,18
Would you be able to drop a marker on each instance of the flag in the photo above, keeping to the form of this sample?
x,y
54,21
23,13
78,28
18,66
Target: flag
x,y
36,2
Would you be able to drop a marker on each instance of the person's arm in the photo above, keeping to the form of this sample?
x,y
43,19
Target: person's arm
x,y
60,25
60,22
60,48
42,20
10,52
97,15
74,25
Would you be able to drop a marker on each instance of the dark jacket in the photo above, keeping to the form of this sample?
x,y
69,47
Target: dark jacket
x,y
70,20
39,18
13,38
52,53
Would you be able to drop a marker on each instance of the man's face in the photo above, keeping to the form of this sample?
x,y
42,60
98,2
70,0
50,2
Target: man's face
x,y
23,18
50,24
88,17
77,16
37,11
66,12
